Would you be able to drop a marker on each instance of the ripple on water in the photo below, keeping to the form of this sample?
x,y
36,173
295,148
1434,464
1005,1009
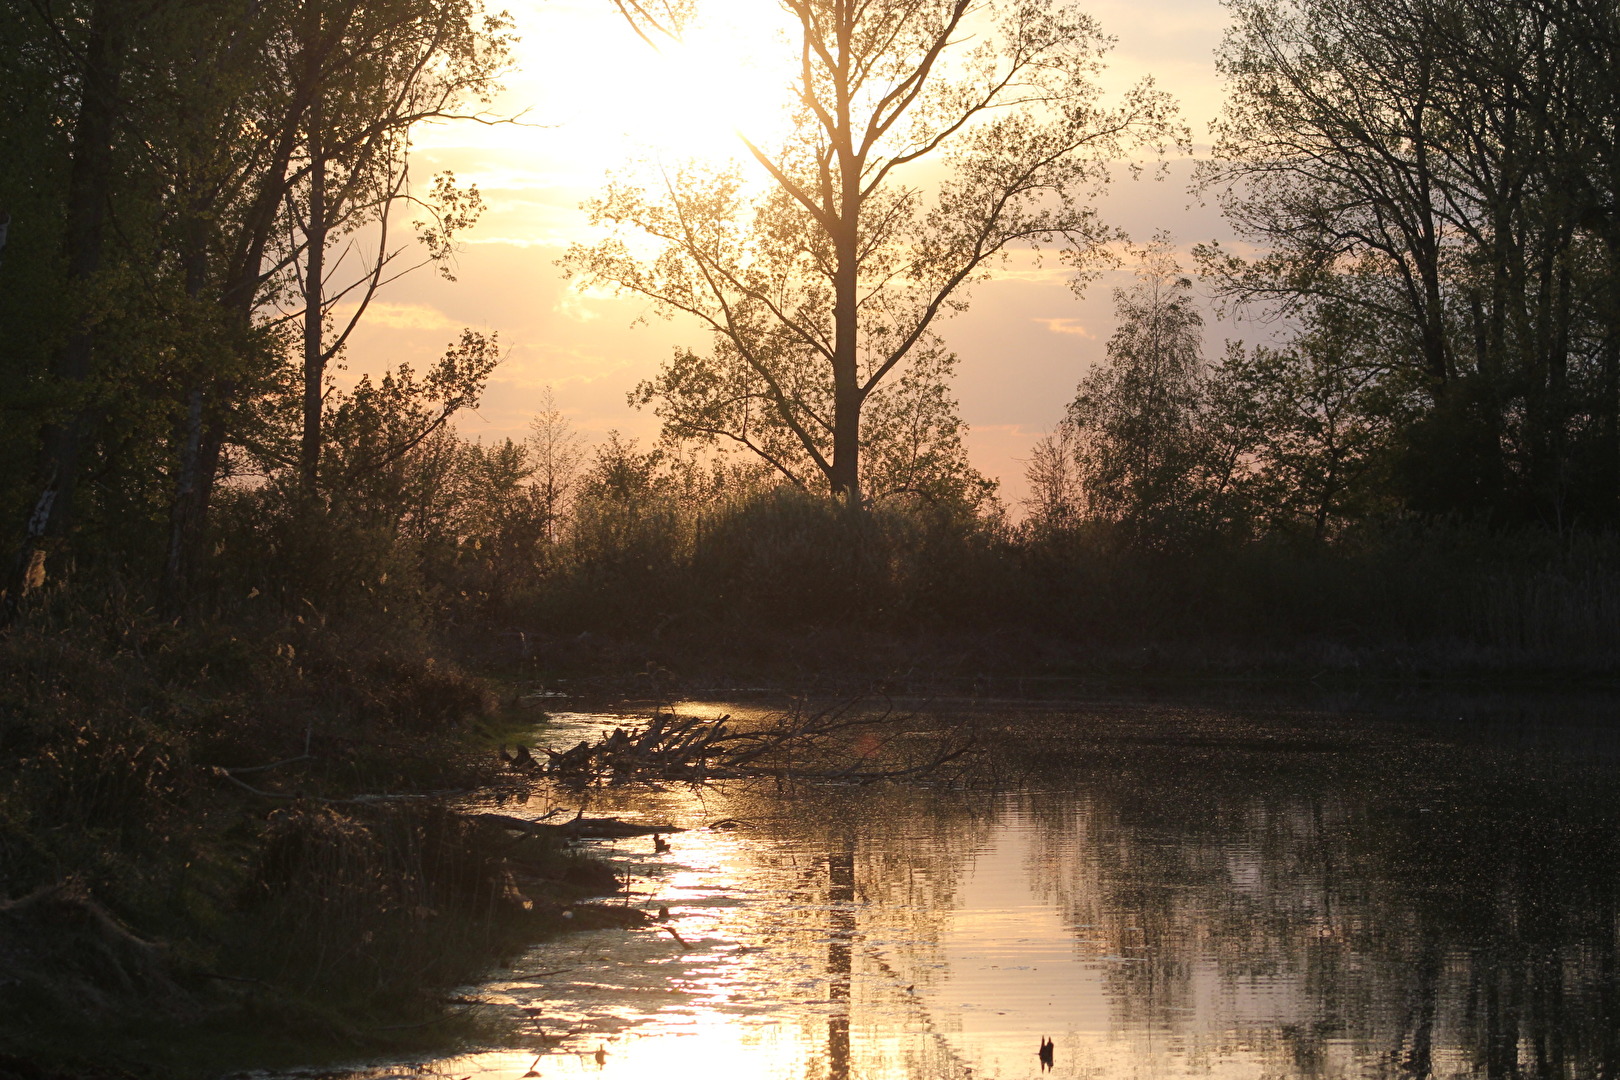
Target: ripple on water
x,y
1165,894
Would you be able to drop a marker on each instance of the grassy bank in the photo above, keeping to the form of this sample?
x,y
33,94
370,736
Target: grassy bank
x,y
209,850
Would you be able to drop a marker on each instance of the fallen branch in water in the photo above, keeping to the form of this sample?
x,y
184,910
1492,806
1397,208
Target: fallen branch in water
x,y
309,735
529,976
802,745
357,800
580,828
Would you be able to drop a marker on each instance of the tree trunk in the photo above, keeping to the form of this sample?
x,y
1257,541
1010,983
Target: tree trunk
x,y
175,582
846,467
846,476
89,188
314,354
238,296
186,508
1608,468
195,486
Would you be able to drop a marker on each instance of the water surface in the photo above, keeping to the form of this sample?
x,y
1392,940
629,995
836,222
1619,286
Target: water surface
x,y
1427,890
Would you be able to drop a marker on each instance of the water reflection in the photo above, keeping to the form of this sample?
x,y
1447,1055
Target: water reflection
x,y
1163,894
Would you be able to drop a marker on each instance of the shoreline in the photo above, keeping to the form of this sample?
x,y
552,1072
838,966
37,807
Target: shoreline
x,y
198,800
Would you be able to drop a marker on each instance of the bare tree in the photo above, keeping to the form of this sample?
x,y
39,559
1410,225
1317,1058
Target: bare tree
x,y
557,455
1055,491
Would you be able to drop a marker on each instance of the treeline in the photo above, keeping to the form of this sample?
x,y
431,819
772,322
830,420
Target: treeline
x,y
200,200
203,197
1431,188
554,558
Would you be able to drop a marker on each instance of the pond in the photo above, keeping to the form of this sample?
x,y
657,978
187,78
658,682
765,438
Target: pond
x,y
1425,889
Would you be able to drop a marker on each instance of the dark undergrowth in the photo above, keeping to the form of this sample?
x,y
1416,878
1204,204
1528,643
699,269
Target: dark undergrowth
x,y
224,838
787,589
210,852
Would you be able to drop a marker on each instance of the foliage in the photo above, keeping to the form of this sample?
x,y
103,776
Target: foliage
x,y
832,278
1442,176
1137,434
1314,425
162,191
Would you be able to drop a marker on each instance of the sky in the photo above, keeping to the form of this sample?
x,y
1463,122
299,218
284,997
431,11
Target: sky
x,y
588,96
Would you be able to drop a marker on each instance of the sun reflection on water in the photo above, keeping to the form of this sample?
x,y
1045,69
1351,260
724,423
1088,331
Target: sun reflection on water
x,y
1255,916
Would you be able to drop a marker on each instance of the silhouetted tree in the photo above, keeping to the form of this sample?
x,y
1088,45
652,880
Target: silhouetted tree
x,y
833,279
1434,167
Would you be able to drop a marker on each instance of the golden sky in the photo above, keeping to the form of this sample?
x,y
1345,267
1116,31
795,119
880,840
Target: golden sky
x,y
592,96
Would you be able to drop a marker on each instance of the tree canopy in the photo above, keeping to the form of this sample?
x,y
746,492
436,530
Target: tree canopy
x,y
928,141
178,188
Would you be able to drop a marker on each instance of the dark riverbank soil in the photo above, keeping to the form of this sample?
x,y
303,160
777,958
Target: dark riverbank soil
x,y
233,846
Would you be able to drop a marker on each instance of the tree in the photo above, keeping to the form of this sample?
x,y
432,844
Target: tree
x,y
557,456
1055,491
1292,438
207,125
1135,419
1312,422
1437,168
374,73
94,60
912,438
822,285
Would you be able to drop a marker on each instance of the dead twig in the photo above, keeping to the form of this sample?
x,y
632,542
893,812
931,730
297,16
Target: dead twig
x,y
802,744
538,975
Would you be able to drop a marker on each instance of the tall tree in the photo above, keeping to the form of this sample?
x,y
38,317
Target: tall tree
x,y
190,135
93,56
929,139
374,74
1429,165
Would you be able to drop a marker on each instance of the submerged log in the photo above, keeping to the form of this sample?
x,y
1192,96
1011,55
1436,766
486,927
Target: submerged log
x,y
580,828
606,916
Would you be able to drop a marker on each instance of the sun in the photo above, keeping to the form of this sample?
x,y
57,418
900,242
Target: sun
x,y
608,96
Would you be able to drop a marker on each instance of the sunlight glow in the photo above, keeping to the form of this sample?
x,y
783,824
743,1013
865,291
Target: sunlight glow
x,y
689,99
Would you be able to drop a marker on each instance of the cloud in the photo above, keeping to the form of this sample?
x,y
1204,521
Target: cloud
x,y
590,302
515,241
536,366
572,305
397,316
1067,326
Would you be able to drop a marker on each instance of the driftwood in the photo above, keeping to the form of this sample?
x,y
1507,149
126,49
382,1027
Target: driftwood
x,y
844,742
67,953
357,800
72,895
580,828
